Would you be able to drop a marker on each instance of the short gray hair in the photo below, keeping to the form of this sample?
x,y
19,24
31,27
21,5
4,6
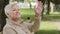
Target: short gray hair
x,y
8,8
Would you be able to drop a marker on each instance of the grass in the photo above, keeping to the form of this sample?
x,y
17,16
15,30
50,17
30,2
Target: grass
x,y
30,13
46,27
27,13
48,32
53,16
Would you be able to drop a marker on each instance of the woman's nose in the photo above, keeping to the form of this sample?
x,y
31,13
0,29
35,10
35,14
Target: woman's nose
x,y
17,12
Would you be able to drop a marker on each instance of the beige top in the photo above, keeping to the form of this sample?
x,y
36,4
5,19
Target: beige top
x,y
13,28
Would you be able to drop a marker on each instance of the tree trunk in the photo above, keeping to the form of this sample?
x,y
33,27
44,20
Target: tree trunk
x,y
3,3
30,5
43,1
48,7
42,13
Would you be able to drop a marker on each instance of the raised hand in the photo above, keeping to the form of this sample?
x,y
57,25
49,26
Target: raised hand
x,y
38,8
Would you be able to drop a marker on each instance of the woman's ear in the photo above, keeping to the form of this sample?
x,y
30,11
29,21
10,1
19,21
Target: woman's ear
x,y
7,13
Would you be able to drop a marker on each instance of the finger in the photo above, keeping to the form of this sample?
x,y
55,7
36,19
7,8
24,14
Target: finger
x,y
40,4
34,7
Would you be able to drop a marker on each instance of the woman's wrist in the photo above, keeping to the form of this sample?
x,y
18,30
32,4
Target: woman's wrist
x,y
38,15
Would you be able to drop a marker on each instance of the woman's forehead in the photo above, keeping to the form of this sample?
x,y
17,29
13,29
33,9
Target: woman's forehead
x,y
14,6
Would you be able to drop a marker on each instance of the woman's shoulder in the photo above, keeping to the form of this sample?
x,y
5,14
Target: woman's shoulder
x,y
6,27
8,30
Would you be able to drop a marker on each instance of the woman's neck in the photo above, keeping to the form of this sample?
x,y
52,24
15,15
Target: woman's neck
x,y
15,19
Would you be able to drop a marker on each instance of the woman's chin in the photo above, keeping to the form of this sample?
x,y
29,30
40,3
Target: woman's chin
x,y
18,16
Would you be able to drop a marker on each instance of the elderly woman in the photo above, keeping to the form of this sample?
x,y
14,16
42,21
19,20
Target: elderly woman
x,y
14,23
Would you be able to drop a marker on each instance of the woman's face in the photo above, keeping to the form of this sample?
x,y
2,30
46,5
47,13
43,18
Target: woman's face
x,y
15,11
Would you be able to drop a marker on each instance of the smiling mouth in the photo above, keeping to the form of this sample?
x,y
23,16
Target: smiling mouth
x,y
17,14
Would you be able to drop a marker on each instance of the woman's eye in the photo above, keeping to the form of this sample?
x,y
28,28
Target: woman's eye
x,y
18,9
13,10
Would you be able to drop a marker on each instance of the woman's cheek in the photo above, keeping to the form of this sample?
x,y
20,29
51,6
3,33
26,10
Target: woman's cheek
x,y
14,13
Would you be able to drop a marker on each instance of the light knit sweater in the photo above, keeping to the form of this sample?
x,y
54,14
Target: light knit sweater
x,y
13,28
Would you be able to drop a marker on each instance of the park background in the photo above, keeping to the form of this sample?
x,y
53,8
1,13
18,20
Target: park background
x,y
50,23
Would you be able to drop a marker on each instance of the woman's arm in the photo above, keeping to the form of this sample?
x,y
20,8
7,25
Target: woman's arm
x,y
38,11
